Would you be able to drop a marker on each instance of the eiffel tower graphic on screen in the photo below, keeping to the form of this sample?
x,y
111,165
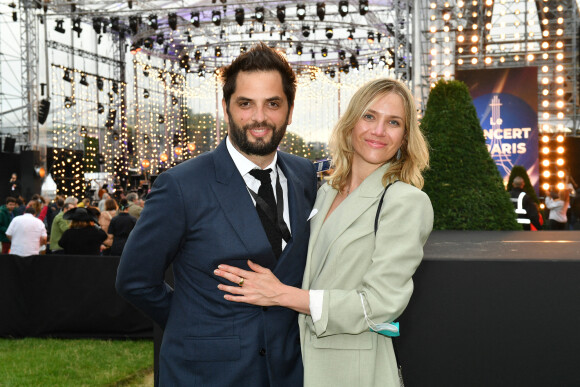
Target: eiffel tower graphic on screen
x,y
501,159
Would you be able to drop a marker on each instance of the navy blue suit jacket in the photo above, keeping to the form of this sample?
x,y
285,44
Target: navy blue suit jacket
x,y
197,216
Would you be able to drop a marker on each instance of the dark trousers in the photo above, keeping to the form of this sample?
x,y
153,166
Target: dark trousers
x,y
555,225
5,247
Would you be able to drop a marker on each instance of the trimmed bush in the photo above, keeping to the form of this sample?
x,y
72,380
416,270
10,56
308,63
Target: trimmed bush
x,y
463,182
520,171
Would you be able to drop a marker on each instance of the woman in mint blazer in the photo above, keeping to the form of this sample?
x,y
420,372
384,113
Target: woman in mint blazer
x,y
355,278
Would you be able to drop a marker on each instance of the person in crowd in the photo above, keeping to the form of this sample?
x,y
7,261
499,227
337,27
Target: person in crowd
x,y
85,203
524,206
6,216
135,206
59,226
104,190
120,227
366,242
14,189
40,206
250,200
558,208
82,238
20,207
102,202
26,233
54,208
109,212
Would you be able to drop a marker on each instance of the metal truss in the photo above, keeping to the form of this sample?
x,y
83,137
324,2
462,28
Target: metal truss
x,y
29,60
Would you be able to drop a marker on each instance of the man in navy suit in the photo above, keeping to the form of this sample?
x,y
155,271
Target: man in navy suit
x,y
200,214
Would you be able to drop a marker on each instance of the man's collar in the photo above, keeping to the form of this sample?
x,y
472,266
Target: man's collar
x,y
243,164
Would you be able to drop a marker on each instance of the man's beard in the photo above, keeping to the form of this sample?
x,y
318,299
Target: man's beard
x,y
259,147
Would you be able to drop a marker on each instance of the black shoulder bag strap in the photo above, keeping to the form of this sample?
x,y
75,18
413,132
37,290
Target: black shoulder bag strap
x,y
399,367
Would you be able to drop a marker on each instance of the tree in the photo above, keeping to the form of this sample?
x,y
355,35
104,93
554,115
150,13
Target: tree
x,y
463,182
520,171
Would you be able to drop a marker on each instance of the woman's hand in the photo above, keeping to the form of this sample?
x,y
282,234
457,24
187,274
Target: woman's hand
x,y
257,287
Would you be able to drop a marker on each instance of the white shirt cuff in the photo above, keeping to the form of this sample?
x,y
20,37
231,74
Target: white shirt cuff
x,y
316,300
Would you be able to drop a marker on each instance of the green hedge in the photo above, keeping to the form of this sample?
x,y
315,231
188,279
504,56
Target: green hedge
x,y
463,182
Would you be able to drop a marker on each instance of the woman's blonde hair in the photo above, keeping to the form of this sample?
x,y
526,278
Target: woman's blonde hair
x,y
414,152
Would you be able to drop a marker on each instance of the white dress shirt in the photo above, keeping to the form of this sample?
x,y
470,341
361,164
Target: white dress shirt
x,y
25,232
244,166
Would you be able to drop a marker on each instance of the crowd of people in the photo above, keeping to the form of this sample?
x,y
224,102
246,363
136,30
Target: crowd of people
x,y
66,225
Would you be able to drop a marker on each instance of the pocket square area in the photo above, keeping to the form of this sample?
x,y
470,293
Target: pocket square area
x,y
312,213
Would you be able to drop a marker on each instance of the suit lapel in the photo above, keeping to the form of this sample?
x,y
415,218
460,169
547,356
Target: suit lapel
x,y
232,195
358,202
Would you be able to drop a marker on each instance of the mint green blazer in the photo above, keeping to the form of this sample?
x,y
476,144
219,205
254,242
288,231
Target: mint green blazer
x,y
345,259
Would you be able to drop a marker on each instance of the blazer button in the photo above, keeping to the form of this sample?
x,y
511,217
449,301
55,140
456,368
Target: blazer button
x,y
262,351
264,308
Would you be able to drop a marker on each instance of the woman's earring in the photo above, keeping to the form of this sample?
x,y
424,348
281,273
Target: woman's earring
x,y
399,154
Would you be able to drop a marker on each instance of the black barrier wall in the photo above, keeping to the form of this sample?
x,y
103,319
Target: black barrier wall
x,y
67,297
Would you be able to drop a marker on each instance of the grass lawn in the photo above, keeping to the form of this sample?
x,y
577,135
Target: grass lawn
x,y
58,362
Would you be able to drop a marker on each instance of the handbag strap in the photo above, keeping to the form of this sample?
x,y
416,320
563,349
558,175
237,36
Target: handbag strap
x,y
381,205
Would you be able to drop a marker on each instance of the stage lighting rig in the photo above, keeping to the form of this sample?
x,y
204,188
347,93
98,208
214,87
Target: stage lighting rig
x,y
160,39
100,84
320,10
148,43
152,21
371,37
305,31
83,80
59,26
134,24
281,13
299,49
68,102
216,17
341,54
363,7
324,52
343,8
329,33
77,26
172,21
66,77
260,14
97,25
240,15
195,19
300,11
100,108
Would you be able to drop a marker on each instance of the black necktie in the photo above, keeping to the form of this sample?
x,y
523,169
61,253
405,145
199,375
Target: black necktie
x,y
268,214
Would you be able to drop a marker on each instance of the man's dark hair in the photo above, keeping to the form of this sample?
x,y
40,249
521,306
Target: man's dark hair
x,y
59,202
10,199
29,210
259,58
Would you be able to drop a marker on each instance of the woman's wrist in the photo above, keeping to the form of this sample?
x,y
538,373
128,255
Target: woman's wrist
x,y
296,299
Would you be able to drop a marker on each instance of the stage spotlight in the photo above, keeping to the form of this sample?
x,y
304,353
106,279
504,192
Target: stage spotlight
x,y
195,19
383,60
281,13
320,10
14,13
371,37
136,47
174,100
341,54
218,52
363,7
172,21
115,24
353,62
153,24
197,55
134,24
161,118
160,39
184,62
301,11
115,88
350,35
145,93
305,31
343,8
66,76
240,14
115,136
59,26
332,73
216,17
83,131
299,49
130,4
100,108
260,14
148,43
370,64
324,52
83,80
77,26
97,25
100,83
329,33
68,102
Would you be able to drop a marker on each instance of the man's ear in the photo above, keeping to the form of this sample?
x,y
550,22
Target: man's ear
x,y
225,108
290,114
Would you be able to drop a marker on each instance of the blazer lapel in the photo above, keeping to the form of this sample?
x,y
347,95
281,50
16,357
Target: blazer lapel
x,y
233,197
357,203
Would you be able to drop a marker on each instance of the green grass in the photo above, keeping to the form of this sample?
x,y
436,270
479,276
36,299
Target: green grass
x,y
56,362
